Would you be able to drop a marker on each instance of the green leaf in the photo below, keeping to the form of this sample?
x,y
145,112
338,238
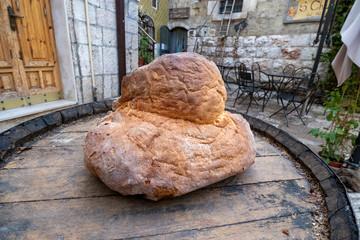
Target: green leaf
x,y
314,132
339,131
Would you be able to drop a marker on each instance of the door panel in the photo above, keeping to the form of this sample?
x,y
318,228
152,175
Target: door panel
x,y
34,34
10,83
28,56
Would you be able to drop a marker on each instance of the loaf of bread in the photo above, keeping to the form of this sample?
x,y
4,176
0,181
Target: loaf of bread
x,y
168,133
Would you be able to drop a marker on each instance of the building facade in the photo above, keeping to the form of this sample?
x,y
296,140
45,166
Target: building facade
x,y
264,31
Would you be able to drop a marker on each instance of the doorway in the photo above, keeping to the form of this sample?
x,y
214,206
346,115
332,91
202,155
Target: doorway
x,y
29,67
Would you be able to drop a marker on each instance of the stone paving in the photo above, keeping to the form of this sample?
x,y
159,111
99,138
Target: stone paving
x,y
316,118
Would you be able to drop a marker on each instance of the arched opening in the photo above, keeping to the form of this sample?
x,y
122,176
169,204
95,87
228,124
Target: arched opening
x,y
148,25
178,40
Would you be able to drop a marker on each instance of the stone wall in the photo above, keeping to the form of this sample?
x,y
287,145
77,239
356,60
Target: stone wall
x,y
103,32
131,34
265,39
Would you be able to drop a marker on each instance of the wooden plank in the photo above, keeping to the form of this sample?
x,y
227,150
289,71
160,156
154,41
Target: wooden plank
x,y
63,175
263,229
266,149
56,138
125,217
49,183
265,169
37,157
81,125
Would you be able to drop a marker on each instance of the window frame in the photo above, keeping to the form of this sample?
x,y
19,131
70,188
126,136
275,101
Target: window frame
x,y
156,4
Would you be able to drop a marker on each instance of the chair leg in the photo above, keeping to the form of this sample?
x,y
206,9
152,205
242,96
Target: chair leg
x,y
251,98
285,111
299,114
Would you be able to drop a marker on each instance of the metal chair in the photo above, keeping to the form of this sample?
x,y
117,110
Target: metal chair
x,y
289,69
297,97
250,85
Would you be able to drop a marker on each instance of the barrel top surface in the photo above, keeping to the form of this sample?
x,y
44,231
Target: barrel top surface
x,y
47,192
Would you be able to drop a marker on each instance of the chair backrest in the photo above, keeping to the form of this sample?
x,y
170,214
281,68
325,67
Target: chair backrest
x,y
302,72
289,69
245,76
237,71
305,88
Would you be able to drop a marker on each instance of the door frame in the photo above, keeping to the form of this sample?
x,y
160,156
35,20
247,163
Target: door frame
x,y
62,38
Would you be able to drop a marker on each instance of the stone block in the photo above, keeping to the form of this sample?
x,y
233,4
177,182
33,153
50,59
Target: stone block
x,y
69,114
240,52
298,149
53,119
80,32
261,52
79,10
5,143
300,40
272,131
36,126
107,86
94,2
250,52
97,58
115,86
72,30
84,110
92,14
5,147
68,7
109,37
87,89
84,60
106,18
249,41
135,42
343,225
110,60
18,135
291,53
285,139
132,7
229,52
96,35
279,40
131,26
99,87
309,160
230,41
99,107
108,104
308,53
240,41
261,41
274,52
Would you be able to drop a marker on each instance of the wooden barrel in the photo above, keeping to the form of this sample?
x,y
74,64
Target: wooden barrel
x,y
46,192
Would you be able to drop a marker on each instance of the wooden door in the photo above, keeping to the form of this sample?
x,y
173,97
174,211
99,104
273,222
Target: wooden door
x,y
29,69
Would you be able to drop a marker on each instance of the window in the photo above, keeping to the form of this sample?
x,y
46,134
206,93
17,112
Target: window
x,y
154,3
237,8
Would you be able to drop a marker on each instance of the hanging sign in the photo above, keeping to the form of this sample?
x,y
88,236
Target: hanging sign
x,y
304,10
179,13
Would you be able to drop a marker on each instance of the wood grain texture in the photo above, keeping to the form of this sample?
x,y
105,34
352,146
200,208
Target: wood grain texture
x,y
47,193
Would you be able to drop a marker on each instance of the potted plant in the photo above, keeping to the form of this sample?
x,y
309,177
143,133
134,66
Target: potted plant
x,y
145,56
342,105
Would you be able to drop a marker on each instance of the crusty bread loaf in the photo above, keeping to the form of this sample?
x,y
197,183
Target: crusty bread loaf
x,y
169,133
183,85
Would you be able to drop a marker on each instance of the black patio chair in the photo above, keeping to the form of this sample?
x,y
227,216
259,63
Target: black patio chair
x,y
297,97
289,69
237,66
250,86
